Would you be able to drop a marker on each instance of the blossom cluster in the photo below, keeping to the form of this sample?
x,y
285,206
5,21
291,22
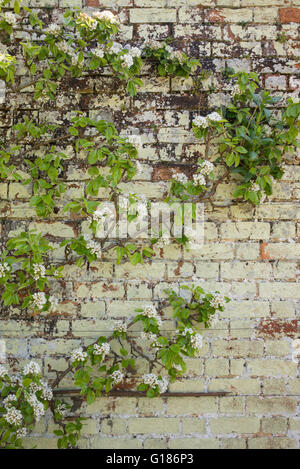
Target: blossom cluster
x,y
205,169
102,349
154,45
153,380
204,122
151,312
39,271
176,54
218,301
197,343
53,29
38,406
180,177
32,368
120,326
93,246
9,18
195,339
128,53
13,415
255,187
99,216
117,377
78,355
152,338
40,300
3,371
4,269
105,16
62,410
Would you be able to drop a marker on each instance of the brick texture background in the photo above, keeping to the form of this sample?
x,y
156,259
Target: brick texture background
x,y
250,254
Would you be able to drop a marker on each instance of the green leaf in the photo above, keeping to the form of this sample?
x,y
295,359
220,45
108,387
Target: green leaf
x,y
73,131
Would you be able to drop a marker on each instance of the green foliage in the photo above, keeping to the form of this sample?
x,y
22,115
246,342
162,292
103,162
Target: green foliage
x,y
252,136
170,62
25,271
24,398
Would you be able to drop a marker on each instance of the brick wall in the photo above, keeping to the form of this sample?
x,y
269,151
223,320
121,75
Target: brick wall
x,y
250,254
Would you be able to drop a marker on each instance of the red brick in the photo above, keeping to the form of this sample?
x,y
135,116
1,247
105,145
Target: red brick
x,y
265,255
91,3
215,16
289,15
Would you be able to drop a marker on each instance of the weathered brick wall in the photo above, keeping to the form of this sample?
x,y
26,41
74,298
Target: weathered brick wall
x,y
249,254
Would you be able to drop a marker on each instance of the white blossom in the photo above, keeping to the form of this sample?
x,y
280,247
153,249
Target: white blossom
x,y
105,16
214,117
3,371
102,349
255,187
199,179
206,167
39,271
153,380
14,416
65,47
38,407
180,177
154,45
117,376
34,388
120,326
163,384
236,89
62,409
200,121
99,52
47,393
39,299
32,368
78,355
116,48
53,29
197,343
164,239
218,301
7,402
152,338
22,432
4,268
75,61
127,60
135,52
94,247
150,312
9,18
178,55
99,216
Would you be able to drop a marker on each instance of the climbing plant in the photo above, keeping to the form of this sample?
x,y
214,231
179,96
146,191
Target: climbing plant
x,y
247,136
